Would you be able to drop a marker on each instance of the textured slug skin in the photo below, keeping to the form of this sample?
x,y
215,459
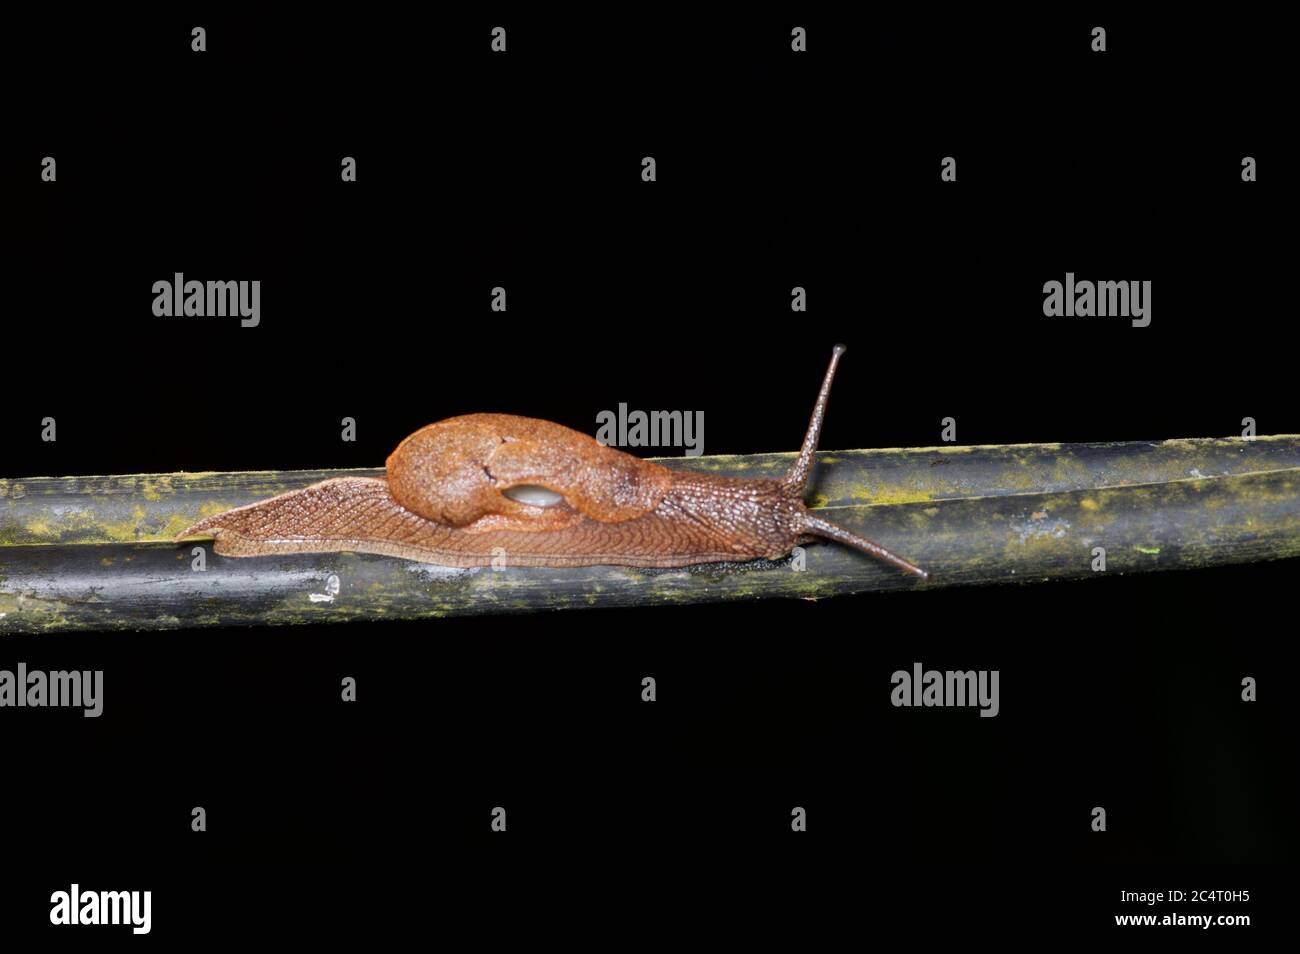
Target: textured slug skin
x,y
442,502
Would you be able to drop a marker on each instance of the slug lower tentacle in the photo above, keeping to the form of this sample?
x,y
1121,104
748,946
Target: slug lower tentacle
x,y
479,488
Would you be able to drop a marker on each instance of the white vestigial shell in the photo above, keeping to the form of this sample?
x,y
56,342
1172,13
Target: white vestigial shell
x,y
531,494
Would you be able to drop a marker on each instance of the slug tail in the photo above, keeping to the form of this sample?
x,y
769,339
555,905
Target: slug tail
x,y
321,518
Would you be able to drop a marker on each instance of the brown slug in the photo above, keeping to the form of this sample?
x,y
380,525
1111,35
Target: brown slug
x,y
471,489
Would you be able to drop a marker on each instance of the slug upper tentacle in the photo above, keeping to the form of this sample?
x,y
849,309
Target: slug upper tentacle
x,y
469,490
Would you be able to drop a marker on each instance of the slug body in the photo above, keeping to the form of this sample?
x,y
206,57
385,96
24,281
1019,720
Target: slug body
x,y
479,488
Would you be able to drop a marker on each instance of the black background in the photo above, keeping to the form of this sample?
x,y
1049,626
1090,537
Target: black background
x,y
774,170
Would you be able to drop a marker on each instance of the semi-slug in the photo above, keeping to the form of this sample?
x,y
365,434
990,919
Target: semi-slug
x,y
482,487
